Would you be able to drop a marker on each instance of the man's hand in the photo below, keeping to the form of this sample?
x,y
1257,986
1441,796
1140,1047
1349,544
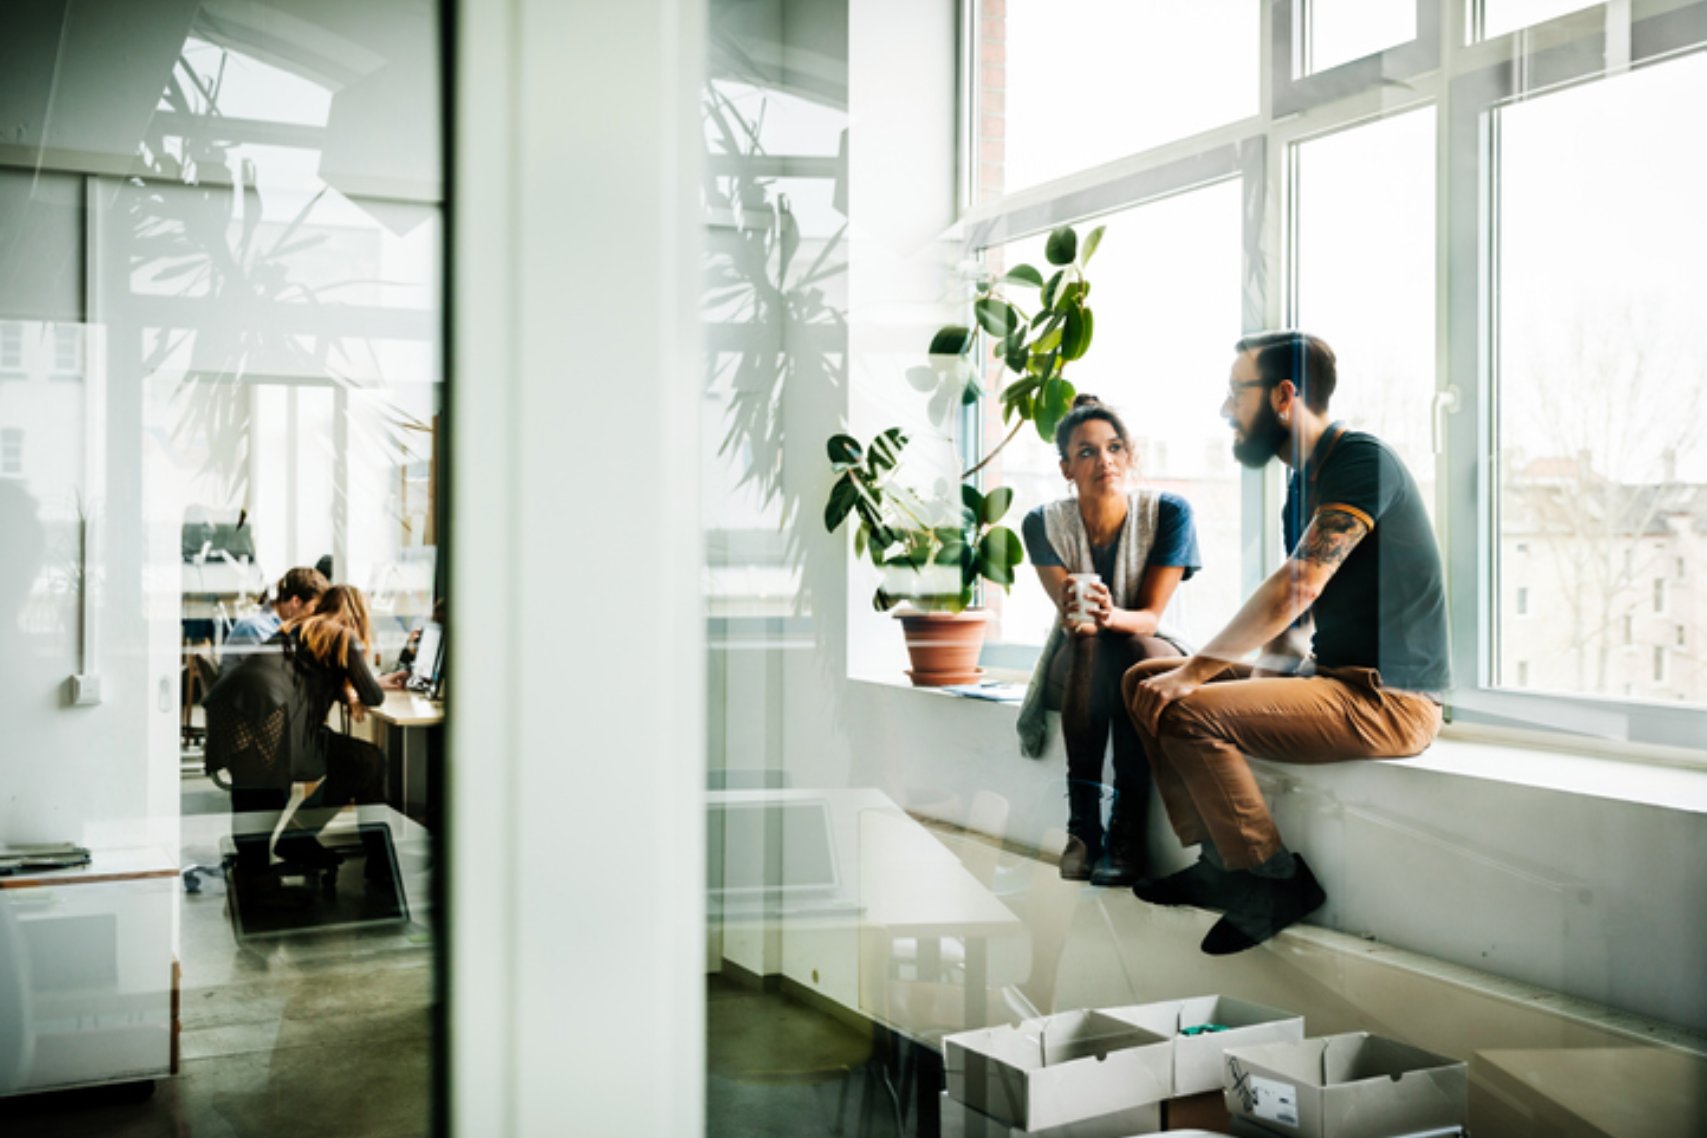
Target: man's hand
x,y
1154,694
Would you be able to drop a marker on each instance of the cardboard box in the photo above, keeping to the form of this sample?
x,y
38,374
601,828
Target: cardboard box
x,y
1355,1085
1197,1058
961,1121
1058,1069
1204,1113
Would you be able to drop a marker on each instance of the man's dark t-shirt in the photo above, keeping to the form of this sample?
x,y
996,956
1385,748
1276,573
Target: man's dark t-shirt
x,y
1385,608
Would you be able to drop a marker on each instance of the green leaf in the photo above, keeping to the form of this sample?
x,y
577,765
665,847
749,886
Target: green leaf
x,y
970,394
998,553
971,498
1050,289
997,317
1092,240
844,451
1047,342
1086,327
1070,295
1020,408
951,340
886,450
951,553
843,495
1053,403
1062,246
883,602
1073,333
996,503
862,537
1024,274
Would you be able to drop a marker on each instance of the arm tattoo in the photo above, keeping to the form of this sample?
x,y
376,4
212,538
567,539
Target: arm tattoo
x,y
1332,535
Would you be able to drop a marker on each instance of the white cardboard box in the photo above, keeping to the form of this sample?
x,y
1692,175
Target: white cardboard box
x,y
1198,1058
1058,1069
961,1121
1355,1085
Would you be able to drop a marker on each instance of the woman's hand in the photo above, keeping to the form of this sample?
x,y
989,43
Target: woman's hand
x,y
358,710
395,681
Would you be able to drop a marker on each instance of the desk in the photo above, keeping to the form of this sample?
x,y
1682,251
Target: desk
x,y
98,1001
406,712
901,882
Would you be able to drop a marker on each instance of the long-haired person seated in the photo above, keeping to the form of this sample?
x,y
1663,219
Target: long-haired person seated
x,y
267,725
1140,544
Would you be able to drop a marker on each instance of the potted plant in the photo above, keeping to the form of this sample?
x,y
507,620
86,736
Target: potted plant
x,y
934,553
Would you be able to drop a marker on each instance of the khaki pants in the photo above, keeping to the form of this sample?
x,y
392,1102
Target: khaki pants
x,y
1197,756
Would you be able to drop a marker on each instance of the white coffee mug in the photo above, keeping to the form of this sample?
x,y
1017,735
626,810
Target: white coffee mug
x,y
1080,613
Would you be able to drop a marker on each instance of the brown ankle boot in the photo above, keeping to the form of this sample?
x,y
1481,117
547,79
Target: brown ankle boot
x,y
1076,860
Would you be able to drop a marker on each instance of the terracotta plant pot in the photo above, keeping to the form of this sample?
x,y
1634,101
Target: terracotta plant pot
x,y
944,646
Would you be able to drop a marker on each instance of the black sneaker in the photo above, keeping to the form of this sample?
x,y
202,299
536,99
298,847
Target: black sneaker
x,y
1114,870
1076,860
1267,906
1199,884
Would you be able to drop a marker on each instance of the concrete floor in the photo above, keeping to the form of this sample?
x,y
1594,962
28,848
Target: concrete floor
x,y
318,1035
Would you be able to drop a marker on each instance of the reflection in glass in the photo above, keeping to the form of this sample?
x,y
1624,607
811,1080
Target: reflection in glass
x,y
1602,407
220,359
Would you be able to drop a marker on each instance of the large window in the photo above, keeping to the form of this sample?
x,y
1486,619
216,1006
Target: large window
x,y
1085,82
1167,273
1363,263
1509,278
1601,392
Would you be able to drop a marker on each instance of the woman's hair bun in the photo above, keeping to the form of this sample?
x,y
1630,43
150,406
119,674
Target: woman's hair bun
x,y
1086,400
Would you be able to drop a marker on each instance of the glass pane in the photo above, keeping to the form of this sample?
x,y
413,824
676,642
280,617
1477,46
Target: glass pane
x,y
1602,401
1064,86
1365,273
1502,16
1166,287
1339,31
220,367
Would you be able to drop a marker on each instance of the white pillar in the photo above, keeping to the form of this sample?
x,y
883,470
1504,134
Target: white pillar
x,y
575,789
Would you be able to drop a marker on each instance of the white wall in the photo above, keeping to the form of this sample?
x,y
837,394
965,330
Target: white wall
x,y
1572,890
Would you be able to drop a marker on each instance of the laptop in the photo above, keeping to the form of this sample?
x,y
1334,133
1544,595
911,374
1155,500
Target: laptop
x,y
429,660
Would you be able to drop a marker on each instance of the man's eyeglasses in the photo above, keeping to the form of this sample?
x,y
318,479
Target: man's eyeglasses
x,y
1237,385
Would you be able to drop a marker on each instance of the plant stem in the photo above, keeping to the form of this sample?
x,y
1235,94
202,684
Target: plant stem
x,y
998,450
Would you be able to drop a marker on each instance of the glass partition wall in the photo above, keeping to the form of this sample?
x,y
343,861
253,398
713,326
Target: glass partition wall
x,y
221,297
1407,180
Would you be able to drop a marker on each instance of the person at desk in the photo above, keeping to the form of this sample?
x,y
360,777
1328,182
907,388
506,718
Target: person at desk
x,y
267,725
328,647
294,595
1140,544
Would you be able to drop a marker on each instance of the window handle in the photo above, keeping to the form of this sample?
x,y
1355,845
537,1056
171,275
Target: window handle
x,y
1444,401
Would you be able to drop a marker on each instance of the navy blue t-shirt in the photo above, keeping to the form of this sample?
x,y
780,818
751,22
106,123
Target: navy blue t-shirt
x,y
1174,544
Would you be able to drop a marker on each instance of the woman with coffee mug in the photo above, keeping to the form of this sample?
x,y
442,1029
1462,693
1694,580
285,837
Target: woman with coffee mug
x,y
1109,556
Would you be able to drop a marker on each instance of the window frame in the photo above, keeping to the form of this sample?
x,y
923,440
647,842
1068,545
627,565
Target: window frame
x,y
1497,73
1467,80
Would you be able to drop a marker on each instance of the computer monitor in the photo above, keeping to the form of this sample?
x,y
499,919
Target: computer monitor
x,y
429,656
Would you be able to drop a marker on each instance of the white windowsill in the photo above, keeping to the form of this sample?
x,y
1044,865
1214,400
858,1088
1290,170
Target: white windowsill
x,y
1459,752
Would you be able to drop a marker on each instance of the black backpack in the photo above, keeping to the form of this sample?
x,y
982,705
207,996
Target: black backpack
x,y
248,719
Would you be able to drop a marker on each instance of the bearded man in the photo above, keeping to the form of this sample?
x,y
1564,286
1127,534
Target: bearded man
x,y
1362,589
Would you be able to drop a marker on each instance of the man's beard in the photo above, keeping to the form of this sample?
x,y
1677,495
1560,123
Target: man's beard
x,y
1263,441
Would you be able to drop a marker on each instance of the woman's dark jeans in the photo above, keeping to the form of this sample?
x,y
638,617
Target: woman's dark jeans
x,y
1084,685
